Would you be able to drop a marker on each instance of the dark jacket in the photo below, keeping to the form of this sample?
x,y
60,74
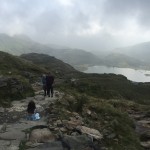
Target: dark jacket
x,y
49,80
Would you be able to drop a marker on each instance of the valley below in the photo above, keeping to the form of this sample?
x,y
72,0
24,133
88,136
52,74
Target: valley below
x,y
135,75
101,108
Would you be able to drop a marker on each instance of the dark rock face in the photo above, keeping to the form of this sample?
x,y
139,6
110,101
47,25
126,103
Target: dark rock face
x,y
13,89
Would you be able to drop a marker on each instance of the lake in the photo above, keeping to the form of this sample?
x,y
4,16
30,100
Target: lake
x,y
131,74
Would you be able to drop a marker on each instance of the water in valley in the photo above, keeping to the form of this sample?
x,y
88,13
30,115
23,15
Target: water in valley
x,y
131,74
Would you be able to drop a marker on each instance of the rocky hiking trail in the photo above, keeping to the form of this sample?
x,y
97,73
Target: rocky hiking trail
x,y
17,133
51,132
142,127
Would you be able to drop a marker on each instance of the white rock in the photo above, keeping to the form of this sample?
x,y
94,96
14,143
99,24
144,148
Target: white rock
x,y
91,132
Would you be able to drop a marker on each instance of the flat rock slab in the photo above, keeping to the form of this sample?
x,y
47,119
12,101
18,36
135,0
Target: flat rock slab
x,y
13,134
9,145
10,139
15,131
90,131
56,145
2,109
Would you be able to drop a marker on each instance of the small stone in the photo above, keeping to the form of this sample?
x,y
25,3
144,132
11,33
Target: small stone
x,y
104,148
111,136
146,144
63,129
56,129
74,133
94,116
59,123
3,128
88,112
2,110
75,114
14,117
52,128
13,147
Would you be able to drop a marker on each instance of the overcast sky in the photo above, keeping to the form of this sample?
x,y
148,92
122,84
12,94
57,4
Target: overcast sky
x,y
87,24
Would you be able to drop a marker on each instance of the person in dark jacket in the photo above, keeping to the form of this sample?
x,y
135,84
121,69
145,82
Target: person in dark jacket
x,y
49,84
31,110
44,83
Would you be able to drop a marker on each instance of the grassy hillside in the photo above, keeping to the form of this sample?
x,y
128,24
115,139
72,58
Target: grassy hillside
x,y
16,76
27,69
98,85
110,86
110,117
13,65
103,100
51,64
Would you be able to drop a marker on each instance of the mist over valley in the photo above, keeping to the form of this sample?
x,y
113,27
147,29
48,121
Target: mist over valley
x,y
85,68
80,59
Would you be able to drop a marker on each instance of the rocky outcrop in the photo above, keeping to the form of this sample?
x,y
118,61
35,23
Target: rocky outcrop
x,y
41,136
90,132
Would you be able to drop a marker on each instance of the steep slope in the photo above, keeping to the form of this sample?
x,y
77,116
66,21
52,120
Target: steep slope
x,y
13,65
16,76
18,73
52,64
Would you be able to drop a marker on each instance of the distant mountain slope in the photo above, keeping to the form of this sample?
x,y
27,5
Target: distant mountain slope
x,y
13,65
77,57
49,63
18,45
140,51
121,60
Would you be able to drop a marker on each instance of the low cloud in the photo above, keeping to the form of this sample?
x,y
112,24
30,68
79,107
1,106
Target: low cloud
x,y
90,25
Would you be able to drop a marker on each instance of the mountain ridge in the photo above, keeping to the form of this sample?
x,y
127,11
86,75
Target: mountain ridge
x,y
18,45
139,51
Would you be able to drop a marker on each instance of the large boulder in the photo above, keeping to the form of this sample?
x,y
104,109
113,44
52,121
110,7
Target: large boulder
x,y
91,132
41,136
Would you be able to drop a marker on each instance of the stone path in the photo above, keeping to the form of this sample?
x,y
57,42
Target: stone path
x,y
142,122
14,122
47,133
